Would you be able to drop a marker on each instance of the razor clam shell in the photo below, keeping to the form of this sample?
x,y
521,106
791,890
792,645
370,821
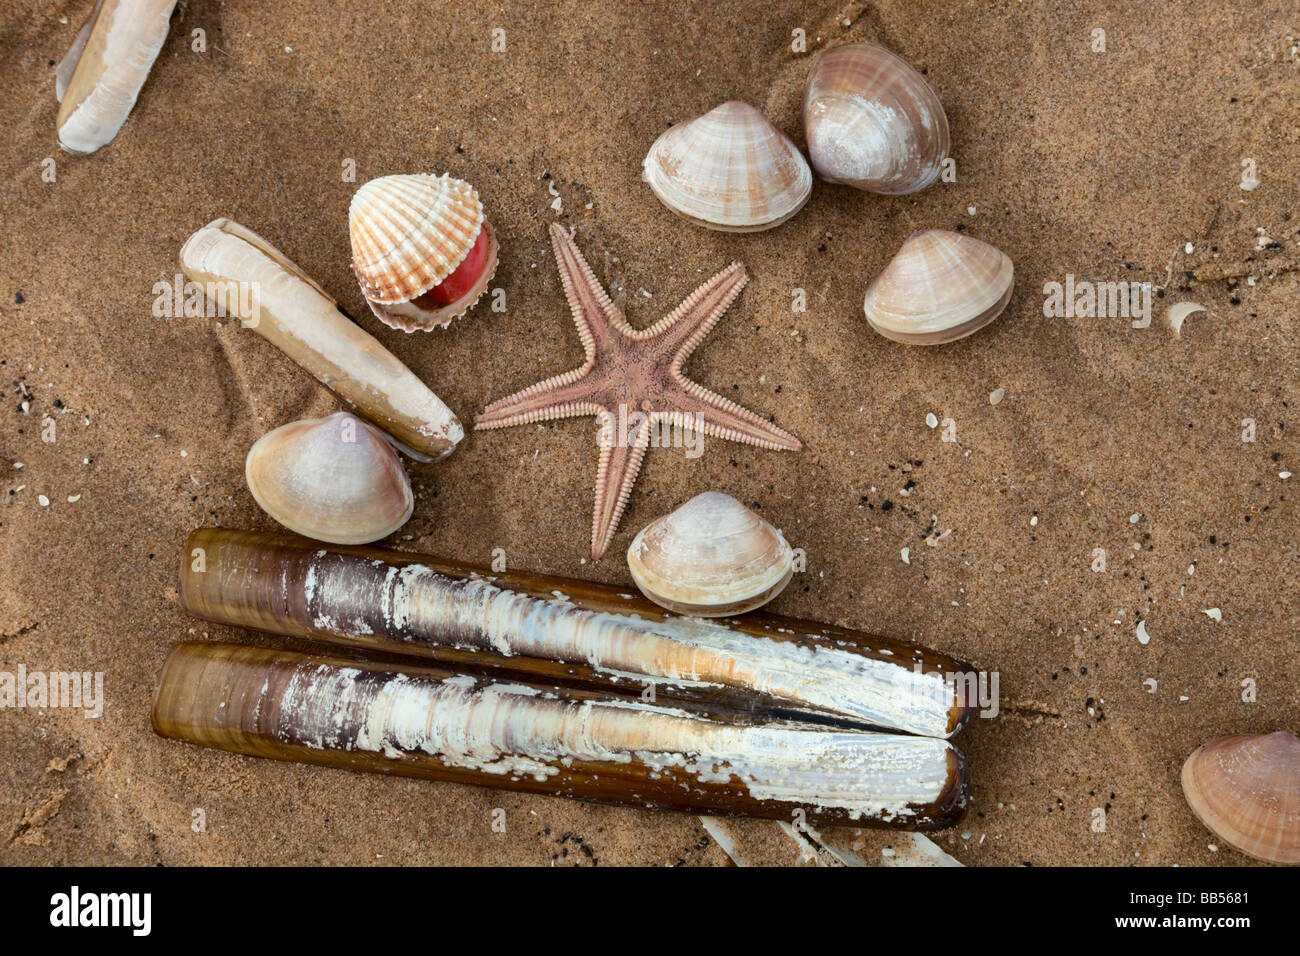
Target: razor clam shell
x,y
730,169
941,286
99,79
430,723
303,321
567,631
68,65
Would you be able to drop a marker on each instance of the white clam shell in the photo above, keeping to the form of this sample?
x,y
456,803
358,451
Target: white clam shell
x,y
409,233
941,286
729,169
711,557
872,122
335,479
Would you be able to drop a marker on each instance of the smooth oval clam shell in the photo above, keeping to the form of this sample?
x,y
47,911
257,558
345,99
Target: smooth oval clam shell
x,y
710,558
873,122
1246,789
335,479
730,170
941,286
409,233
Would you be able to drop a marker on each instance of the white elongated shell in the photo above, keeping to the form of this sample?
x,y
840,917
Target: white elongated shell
x,y
334,479
100,77
251,278
941,286
1246,789
711,557
410,232
729,169
872,121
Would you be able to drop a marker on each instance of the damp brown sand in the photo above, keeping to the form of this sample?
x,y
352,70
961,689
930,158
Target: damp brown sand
x,y
1103,165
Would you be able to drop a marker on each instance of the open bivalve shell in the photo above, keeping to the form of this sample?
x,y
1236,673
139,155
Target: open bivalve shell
x,y
729,169
1246,789
872,121
710,558
421,249
99,78
941,286
536,682
334,479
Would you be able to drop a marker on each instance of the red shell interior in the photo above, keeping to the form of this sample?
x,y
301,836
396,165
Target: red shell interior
x,y
462,279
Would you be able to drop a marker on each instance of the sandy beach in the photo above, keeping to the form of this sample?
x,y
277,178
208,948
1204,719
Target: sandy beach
x,y
1170,454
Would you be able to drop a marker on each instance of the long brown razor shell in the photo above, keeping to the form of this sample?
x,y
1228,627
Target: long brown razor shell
x,y
426,722
575,633
275,298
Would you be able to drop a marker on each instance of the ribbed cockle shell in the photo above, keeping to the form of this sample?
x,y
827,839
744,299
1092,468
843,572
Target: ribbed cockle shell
x,y
941,286
711,557
334,479
729,169
872,121
409,234
1246,788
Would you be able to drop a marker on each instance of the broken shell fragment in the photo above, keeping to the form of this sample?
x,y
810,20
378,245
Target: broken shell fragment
x,y
421,249
427,722
872,122
334,479
100,77
553,628
1246,789
249,277
729,169
941,286
1178,313
710,558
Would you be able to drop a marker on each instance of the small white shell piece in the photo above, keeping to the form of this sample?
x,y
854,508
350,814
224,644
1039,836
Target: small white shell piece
x,y
730,170
335,479
1178,313
100,77
941,286
710,558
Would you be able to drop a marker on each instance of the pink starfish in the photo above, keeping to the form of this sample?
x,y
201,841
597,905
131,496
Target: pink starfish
x,y
630,371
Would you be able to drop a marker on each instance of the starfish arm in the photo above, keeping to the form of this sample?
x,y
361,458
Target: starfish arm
x,y
684,328
720,417
620,462
593,312
564,396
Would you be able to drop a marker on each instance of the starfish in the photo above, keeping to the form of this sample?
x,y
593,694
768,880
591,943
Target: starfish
x,y
632,381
